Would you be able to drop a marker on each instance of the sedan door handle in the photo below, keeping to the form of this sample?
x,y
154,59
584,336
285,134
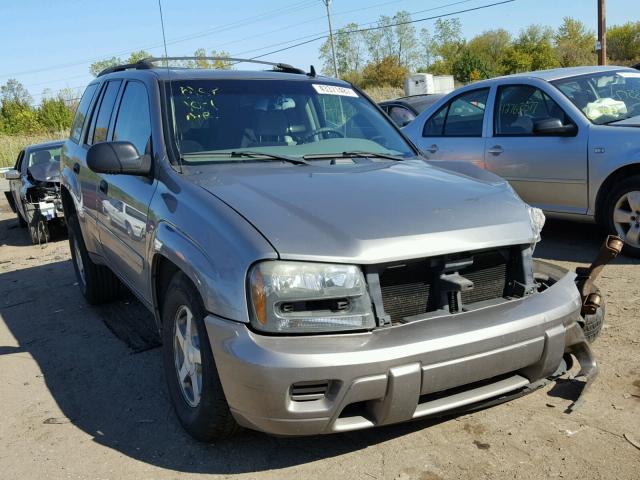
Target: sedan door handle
x,y
433,148
104,187
76,168
496,150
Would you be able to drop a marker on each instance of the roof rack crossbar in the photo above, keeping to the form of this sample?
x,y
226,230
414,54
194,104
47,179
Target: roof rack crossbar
x,y
147,63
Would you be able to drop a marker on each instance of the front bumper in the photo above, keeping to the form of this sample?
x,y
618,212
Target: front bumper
x,y
420,369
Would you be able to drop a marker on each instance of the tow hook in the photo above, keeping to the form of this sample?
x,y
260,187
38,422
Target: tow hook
x,y
591,299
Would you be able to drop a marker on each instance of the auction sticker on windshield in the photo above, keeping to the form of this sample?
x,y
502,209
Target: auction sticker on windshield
x,y
334,90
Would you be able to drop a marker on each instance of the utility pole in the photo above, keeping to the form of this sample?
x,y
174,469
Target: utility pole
x,y
601,45
333,47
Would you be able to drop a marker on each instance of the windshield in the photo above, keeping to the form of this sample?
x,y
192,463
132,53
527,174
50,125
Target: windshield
x,y
604,97
44,164
288,118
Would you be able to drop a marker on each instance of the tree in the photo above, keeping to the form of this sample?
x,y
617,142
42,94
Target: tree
x,y
202,62
489,48
623,43
469,67
54,115
447,38
574,44
18,117
388,72
14,91
532,50
350,52
99,66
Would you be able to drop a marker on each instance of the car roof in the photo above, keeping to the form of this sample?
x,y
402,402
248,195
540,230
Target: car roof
x,y
177,74
559,73
43,145
417,101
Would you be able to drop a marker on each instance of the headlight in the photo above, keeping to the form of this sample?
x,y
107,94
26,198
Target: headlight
x,y
537,218
298,297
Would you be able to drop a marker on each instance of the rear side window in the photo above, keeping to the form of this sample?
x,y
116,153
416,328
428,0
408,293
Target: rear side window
x,y
100,126
81,113
133,123
461,117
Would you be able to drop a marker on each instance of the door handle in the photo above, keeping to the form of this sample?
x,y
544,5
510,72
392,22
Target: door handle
x,y
496,150
104,186
433,148
76,168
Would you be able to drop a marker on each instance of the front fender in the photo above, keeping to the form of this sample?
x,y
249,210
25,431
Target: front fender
x,y
220,282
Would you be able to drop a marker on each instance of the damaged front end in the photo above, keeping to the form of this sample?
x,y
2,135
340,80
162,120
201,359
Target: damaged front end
x,y
41,197
580,332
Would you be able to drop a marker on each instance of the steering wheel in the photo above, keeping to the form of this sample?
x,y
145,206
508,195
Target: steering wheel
x,y
320,131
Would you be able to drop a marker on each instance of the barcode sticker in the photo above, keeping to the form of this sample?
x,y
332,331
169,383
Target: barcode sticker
x,y
334,90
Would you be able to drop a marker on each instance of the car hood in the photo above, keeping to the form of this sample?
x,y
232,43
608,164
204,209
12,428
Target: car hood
x,y
372,213
45,172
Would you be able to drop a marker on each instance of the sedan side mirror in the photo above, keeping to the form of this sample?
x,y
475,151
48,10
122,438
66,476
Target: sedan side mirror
x,y
118,158
554,127
12,174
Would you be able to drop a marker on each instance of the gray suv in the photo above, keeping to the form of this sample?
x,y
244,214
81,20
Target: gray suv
x,y
309,272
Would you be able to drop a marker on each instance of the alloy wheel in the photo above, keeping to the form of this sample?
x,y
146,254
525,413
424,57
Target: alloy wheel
x,y
626,218
187,358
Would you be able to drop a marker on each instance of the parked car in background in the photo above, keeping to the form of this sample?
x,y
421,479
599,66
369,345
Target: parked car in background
x,y
308,271
568,140
123,216
404,110
34,189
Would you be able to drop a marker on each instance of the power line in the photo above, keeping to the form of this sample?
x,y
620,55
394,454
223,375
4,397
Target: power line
x,y
360,30
253,19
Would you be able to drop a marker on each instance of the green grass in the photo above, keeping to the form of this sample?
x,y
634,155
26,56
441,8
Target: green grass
x,y
10,145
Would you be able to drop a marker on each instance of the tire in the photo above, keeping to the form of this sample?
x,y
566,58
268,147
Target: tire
x,y
39,230
97,283
22,223
629,220
208,418
592,324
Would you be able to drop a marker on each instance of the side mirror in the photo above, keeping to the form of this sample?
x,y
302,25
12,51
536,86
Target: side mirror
x,y
118,158
12,174
554,127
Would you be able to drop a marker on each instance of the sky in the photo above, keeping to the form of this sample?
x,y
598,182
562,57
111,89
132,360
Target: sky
x,y
50,45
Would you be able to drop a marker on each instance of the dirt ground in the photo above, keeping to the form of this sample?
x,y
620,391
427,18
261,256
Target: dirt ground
x,y
82,395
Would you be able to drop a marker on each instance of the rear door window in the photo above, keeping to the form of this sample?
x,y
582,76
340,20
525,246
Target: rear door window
x,y
463,116
100,126
133,123
81,113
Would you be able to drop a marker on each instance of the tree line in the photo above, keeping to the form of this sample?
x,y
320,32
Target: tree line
x,y
385,55
375,58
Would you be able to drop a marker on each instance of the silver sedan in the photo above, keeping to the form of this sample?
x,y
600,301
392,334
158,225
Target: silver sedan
x,y
566,139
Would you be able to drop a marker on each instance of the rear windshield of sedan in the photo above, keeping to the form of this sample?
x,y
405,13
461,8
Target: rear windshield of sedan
x,y
604,97
292,118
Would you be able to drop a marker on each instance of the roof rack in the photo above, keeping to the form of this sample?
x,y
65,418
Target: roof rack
x,y
148,63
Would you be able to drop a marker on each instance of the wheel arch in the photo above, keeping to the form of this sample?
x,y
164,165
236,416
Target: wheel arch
x,y
614,177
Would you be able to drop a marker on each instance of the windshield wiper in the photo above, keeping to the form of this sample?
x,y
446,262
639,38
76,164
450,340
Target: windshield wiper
x,y
250,154
351,154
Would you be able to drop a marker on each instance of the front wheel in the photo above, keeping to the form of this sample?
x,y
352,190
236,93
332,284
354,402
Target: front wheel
x,y
622,214
190,369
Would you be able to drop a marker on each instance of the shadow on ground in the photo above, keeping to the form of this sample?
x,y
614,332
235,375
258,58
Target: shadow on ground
x,y
574,242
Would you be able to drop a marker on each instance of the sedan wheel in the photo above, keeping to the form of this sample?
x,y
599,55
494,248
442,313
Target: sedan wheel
x,y
626,218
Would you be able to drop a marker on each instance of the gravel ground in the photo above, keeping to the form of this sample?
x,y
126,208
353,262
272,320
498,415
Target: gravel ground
x,y
82,395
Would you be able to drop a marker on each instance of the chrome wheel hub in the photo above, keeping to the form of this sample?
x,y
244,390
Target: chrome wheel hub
x,y
186,349
626,218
